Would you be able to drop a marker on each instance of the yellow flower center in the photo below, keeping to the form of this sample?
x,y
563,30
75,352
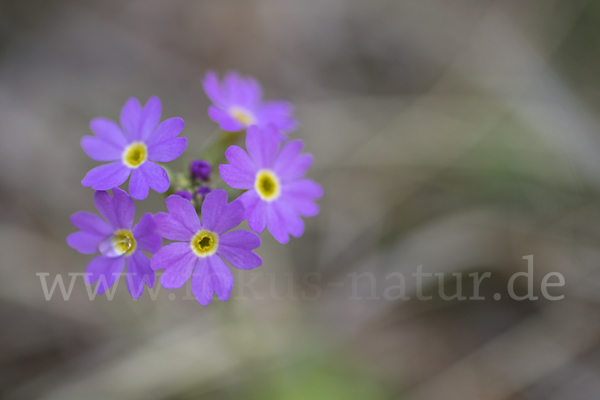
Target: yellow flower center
x,y
242,116
204,243
120,243
135,154
267,185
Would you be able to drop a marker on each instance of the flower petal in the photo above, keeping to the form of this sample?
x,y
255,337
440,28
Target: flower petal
x,y
138,273
297,168
249,199
305,206
148,175
105,270
167,150
236,178
293,223
262,145
241,171
288,154
150,117
235,247
143,232
178,260
289,164
239,159
211,275
108,131
212,87
100,150
232,82
300,195
118,210
91,223
106,176
104,203
170,228
248,91
279,113
124,208
131,115
242,239
182,221
277,225
85,242
257,218
225,121
183,211
217,215
156,176
306,188
138,186
166,130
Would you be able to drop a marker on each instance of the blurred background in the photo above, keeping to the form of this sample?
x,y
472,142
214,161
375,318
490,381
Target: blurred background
x,y
460,135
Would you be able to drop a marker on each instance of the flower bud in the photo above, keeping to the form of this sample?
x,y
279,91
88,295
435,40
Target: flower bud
x,y
185,194
200,169
203,191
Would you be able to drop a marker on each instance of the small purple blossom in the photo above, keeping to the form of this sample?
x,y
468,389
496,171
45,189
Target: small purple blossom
x,y
200,169
201,247
203,191
116,240
237,104
185,194
277,192
132,148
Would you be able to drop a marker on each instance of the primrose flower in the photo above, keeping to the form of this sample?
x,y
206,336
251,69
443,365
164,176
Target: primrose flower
x,y
237,104
118,243
277,192
201,247
132,148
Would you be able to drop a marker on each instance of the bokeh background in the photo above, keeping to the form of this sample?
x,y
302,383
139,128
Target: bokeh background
x,y
461,135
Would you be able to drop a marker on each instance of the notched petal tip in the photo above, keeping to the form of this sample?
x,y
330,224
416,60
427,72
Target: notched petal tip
x,y
283,239
177,124
174,202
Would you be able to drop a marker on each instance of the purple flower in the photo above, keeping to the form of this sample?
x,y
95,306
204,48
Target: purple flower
x,y
237,104
200,169
117,241
202,246
133,148
277,192
185,194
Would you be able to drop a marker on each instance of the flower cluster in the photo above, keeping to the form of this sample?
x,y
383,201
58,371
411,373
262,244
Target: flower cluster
x,y
266,180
